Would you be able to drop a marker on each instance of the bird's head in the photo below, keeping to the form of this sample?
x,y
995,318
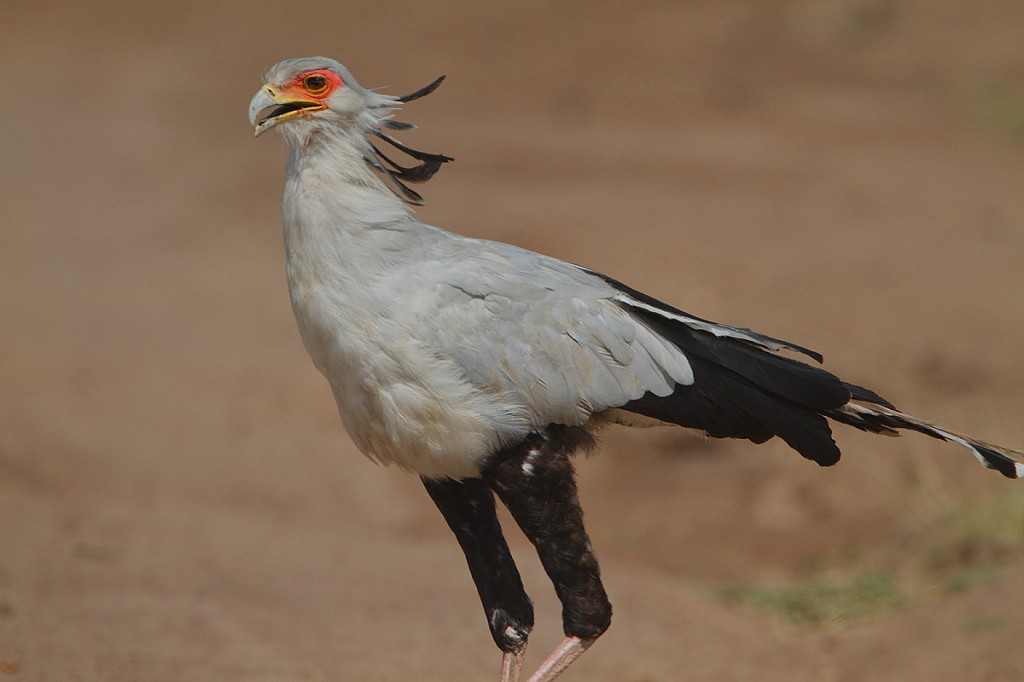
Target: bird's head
x,y
308,96
312,92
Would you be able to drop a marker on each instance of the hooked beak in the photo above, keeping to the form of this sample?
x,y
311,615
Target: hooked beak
x,y
269,108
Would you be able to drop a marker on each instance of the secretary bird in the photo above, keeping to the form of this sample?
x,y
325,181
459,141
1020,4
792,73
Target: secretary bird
x,y
483,367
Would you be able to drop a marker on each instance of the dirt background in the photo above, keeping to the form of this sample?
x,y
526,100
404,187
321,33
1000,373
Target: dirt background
x,y
178,500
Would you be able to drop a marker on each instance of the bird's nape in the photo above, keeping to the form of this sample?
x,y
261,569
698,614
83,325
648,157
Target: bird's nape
x,y
428,164
399,175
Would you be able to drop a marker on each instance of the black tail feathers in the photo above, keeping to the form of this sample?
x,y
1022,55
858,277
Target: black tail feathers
x,y
879,418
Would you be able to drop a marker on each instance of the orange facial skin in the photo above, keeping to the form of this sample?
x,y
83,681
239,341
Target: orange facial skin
x,y
308,92
313,86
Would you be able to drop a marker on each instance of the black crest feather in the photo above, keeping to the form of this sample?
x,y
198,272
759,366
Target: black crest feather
x,y
428,165
422,92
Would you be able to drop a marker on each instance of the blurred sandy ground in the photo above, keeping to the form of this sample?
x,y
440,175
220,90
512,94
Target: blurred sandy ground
x,y
177,498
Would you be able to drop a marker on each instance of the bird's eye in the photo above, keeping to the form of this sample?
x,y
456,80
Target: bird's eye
x,y
315,84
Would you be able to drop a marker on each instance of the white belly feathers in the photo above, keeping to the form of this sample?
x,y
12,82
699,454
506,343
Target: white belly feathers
x,y
400,402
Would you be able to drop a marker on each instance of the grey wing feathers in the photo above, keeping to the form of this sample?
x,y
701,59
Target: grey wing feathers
x,y
549,335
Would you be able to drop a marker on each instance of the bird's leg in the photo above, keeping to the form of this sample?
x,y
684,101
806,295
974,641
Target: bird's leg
x,y
560,659
512,665
537,483
468,507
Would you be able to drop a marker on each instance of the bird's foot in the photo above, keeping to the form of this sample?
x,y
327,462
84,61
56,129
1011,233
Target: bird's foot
x,y
561,658
512,665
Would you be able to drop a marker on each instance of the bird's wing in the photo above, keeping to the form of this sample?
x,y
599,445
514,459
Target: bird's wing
x,y
566,343
544,332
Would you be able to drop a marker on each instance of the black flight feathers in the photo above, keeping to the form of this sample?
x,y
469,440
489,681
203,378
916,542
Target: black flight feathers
x,y
741,390
399,174
655,303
